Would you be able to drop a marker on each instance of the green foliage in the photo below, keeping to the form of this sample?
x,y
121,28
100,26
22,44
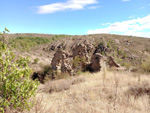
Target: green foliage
x,y
126,64
6,30
145,66
103,53
25,43
36,60
77,61
16,87
120,52
124,56
108,45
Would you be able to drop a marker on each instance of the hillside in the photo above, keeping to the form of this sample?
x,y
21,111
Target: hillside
x,y
93,86
128,51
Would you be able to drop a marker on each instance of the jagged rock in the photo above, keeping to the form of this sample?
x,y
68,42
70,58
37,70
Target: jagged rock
x,y
100,48
52,48
60,62
112,63
97,61
81,51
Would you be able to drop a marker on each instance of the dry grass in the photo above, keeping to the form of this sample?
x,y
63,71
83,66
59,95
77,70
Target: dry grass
x,y
59,85
139,89
92,96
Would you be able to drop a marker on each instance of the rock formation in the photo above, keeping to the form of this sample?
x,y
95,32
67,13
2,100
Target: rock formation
x,y
60,62
80,57
79,60
100,48
112,63
97,62
81,51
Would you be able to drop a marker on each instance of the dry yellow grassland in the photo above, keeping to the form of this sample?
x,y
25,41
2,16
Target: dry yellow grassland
x,y
102,92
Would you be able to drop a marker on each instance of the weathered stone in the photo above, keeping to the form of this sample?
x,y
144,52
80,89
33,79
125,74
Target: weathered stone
x,y
81,51
60,62
97,61
112,63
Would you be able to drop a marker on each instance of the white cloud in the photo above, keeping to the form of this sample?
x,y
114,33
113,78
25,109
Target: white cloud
x,y
125,0
68,5
92,7
135,27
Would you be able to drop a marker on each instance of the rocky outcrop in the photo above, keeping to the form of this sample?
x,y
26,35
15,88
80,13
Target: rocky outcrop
x,y
101,48
79,60
81,51
80,57
62,62
97,62
112,63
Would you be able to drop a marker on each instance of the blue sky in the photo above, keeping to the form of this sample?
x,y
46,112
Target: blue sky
x,y
76,17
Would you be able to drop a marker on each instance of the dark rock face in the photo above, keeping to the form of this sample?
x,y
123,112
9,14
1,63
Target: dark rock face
x,y
95,62
39,76
100,48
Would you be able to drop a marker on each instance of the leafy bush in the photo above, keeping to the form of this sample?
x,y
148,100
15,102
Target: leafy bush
x,y
16,87
77,62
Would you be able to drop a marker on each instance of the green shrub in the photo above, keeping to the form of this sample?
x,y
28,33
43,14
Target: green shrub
x,y
145,66
16,87
26,43
108,45
36,60
103,53
78,61
124,56
126,64
120,52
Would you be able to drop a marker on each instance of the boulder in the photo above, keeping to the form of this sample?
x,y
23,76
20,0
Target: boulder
x,y
97,62
112,63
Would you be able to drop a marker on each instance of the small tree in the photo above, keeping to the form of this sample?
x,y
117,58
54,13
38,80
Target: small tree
x,y
16,86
